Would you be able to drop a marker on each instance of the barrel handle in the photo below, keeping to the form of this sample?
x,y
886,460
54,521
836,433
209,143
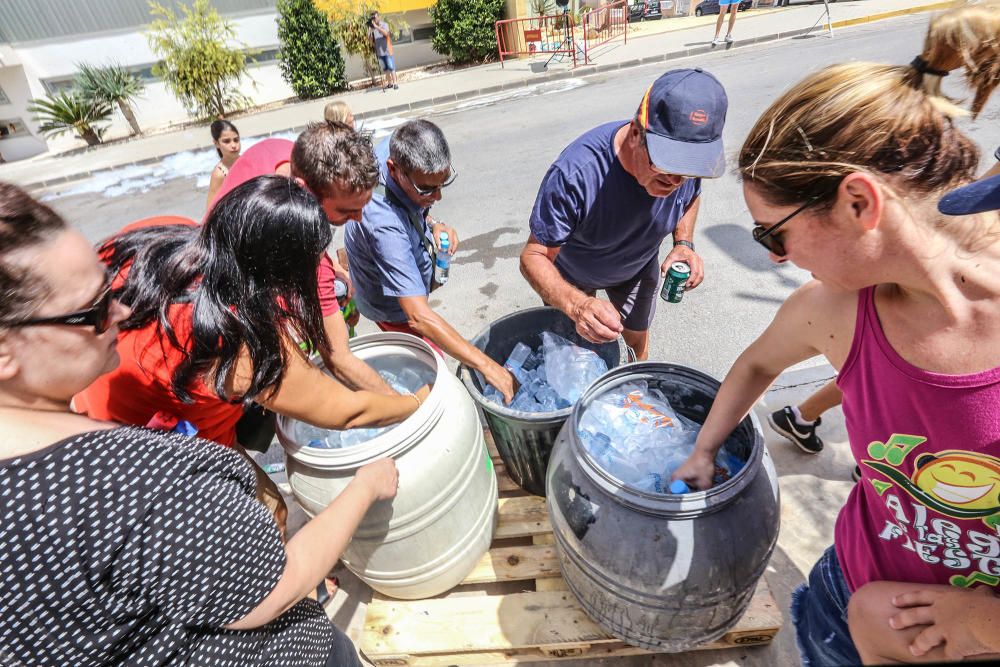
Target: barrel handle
x,y
630,354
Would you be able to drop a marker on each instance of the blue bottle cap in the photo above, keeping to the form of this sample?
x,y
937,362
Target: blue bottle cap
x,y
184,427
678,487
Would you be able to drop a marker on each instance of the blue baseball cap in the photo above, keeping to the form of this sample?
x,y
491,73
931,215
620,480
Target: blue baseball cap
x,y
976,197
683,113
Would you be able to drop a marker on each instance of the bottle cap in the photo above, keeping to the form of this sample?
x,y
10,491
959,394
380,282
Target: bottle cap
x,y
678,487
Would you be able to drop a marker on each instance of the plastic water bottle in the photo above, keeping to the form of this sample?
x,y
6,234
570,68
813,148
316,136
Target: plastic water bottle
x,y
347,307
443,262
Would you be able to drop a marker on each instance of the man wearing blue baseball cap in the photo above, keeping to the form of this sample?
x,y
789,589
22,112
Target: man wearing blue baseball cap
x,y
976,197
611,198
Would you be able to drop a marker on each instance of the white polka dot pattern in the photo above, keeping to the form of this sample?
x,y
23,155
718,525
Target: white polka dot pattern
x,y
132,546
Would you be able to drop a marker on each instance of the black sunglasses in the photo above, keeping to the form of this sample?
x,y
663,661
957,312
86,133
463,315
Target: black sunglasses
x,y
428,191
97,316
768,238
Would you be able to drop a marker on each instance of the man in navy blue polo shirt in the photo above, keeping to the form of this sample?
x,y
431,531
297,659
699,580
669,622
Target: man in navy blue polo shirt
x,y
611,198
392,249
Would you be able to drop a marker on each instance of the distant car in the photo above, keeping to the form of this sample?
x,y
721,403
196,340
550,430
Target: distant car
x,y
644,10
712,7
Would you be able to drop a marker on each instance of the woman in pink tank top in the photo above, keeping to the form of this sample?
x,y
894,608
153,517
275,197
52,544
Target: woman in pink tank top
x,y
842,176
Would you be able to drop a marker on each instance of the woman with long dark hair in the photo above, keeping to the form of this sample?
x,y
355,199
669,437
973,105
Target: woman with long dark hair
x,y
129,545
226,139
218,315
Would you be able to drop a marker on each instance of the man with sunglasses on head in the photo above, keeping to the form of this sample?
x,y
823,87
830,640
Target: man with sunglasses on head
x,y
611,198
392,250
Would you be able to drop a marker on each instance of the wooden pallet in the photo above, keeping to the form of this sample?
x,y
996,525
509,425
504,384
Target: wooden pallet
x,y
538,620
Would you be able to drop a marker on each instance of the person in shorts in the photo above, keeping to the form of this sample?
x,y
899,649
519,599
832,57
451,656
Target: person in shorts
x,y
731,6
378,31
610,199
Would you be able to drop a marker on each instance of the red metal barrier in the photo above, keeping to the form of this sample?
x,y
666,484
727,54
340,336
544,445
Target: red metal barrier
x,y
603,24
538,34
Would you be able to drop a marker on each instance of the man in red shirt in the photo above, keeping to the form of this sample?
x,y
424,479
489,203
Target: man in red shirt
x,y
338,166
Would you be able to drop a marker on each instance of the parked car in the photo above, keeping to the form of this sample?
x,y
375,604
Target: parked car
x,y
712,7
644,10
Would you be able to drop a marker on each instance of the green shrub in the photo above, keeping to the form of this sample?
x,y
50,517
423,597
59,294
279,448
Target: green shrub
x,y
72,111
201,62
310,57
463,29
115,85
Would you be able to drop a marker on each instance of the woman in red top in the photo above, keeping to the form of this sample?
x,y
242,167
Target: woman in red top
x,y
218,312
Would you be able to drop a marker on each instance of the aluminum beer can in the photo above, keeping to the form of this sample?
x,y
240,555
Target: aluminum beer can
x,y
673,284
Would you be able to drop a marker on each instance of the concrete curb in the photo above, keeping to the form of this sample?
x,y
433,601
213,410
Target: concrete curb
x,y
581,71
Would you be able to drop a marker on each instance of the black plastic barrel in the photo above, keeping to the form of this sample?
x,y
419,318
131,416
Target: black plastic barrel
x,y
663,572
525,439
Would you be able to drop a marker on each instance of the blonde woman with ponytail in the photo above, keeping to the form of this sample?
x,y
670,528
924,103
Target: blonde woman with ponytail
x,y
842,176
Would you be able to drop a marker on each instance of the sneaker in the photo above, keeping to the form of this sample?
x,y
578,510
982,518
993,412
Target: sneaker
x,y
716,42
729,39
783,421
395,86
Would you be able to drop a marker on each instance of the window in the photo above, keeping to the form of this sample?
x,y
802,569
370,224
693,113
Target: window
x,y
3,97
12,127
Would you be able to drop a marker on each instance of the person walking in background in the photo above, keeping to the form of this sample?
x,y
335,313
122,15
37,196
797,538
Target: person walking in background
x,y
338,111
378,31
733,7
226,139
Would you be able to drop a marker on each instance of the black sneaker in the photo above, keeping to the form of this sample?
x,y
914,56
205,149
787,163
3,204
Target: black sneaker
x,y
783,421
395,86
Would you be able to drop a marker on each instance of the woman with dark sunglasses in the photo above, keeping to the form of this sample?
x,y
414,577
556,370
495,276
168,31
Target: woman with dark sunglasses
x,y
842,176
121,544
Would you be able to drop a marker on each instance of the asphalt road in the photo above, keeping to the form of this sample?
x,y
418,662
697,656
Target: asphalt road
x,y
502,146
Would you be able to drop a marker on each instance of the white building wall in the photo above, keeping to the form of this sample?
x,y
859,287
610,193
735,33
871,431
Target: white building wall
x,y
57,59
26,141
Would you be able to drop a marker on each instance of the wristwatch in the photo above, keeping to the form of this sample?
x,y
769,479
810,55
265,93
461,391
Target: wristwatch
x,y
686,244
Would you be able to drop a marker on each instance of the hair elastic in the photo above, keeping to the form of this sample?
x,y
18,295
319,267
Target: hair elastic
x,y
923,67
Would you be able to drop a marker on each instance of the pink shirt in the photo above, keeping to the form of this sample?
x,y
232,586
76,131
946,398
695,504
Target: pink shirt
x,y
927,508
263,159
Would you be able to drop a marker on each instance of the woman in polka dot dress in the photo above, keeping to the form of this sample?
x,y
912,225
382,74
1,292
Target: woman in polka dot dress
x,y
124,545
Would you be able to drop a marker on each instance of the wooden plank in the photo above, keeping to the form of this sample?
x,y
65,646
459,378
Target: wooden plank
x,y
518,623
522,517
546,584
617,650
515,564
504,483
491,445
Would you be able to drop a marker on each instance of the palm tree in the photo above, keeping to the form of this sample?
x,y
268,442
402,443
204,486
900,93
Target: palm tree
x,y
115,85
71,111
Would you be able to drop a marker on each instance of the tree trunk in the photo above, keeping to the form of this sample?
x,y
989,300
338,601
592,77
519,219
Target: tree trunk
x,y
89,135
126,110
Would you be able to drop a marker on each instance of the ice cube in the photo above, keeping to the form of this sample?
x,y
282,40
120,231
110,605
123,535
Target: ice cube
x,y
518,356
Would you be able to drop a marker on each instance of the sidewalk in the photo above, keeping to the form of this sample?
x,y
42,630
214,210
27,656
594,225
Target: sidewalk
x,y
648,43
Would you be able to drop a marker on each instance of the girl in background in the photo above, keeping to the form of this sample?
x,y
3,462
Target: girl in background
x,y
226,139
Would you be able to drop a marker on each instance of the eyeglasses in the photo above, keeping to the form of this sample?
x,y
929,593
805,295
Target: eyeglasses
x,y
768,238
425,191
97,316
